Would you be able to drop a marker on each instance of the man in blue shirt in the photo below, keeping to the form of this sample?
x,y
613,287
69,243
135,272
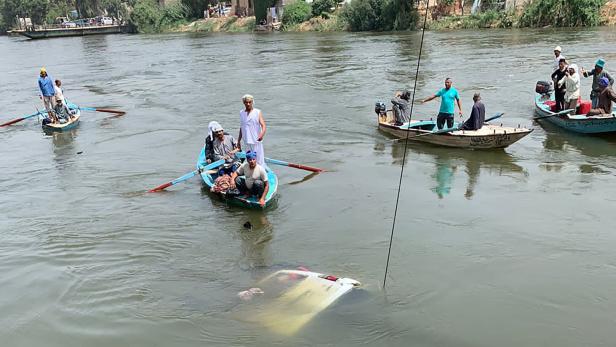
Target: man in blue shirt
x,y
48,92
448,95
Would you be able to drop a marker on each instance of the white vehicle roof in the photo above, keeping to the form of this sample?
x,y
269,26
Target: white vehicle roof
x,y
292,298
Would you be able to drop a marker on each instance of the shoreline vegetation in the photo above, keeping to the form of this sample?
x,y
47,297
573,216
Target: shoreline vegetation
x,y
148,16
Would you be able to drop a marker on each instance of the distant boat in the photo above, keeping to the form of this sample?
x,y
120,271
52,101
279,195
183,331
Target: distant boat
x,y
489,136
579,123
77,31
251,202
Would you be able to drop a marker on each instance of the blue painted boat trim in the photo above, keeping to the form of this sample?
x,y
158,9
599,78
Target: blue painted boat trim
x,y
575,123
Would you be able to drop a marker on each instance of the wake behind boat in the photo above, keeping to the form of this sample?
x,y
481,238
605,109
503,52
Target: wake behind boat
x,y
489,136
209,177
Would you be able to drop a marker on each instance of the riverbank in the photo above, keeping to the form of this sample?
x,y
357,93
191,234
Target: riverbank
x,y
335,22
247,24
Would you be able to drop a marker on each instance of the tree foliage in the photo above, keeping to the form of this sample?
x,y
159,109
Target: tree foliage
x,y
149,17
296,12
380,15
35,9
562,13
323,6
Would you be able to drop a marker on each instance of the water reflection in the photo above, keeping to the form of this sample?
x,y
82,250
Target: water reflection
x,y
447,161
256,235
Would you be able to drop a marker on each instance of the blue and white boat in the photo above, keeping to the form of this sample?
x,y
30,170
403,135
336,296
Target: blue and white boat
x,y
209,177
579,123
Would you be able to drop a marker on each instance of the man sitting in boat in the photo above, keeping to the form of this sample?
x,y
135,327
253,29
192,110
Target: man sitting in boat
x,y
401,107
251,179
224,147
478,115
62,113
605,97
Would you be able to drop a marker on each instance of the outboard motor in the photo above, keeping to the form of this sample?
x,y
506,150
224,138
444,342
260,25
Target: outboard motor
x,y
380,108
543,87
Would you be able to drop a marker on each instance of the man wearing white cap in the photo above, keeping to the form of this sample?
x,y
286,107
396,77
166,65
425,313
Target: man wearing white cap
x,y
252,129
557,57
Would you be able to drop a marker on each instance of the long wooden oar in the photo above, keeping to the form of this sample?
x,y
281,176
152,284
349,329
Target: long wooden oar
x,y
443,131
187,176
555,114
284,163
97,109
297,166
20,119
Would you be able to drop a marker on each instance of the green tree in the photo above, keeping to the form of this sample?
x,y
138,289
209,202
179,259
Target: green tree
x,y
35,9
323,6
562,13
296,12
261,7
88,8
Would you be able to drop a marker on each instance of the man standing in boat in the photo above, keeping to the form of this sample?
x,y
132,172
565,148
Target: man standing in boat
x,y
251,178
449,95
48,92
597,73
557,57
252,129
478,115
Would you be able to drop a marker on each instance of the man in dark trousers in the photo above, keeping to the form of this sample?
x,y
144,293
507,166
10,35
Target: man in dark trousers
x,y
478,115
559,91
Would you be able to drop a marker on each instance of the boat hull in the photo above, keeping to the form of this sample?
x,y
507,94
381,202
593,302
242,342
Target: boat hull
x,y
209,177
576,123
488,137
63,127
80,31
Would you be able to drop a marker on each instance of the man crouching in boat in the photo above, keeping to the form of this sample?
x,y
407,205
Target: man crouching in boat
x,y
251,179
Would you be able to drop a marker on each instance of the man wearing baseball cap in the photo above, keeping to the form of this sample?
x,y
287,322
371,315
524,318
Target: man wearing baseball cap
x,y
597,73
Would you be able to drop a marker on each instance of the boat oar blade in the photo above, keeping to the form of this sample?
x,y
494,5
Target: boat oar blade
x,y
293,165
242,155
19,119
106,110
497,115
175,181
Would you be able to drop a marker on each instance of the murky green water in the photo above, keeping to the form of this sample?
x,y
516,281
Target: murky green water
x,y
499,248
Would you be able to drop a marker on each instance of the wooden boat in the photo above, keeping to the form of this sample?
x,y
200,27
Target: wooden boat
x,y
489,136
210,176
579,123
71,124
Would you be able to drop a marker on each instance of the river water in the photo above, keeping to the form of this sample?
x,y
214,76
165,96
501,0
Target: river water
x,y
491,248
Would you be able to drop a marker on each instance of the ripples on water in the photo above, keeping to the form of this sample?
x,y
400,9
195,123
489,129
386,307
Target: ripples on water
x,y
497,248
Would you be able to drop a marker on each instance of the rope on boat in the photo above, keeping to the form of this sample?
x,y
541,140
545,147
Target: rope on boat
x,y
393,224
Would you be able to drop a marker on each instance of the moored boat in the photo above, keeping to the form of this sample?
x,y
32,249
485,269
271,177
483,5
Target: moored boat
x,y
209,177
545,110
489,136
78,31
